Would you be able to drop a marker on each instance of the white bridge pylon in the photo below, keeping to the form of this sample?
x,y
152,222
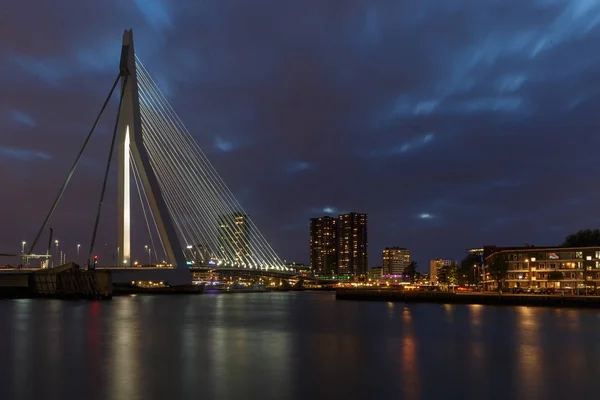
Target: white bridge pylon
x,y
131,144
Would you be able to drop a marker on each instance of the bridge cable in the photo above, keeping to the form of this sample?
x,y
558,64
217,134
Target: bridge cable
x,y
110,153
73,167
138,184
214,178
200,203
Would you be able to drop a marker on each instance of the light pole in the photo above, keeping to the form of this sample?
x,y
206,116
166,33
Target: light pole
x,y
56,243
23,262
530,275
149,259
78,247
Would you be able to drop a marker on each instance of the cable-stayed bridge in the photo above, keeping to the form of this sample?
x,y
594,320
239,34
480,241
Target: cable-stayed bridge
x,y
192,218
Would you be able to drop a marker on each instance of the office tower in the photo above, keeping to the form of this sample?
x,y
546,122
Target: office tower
x,y
234,239
394,260
323,245
352,244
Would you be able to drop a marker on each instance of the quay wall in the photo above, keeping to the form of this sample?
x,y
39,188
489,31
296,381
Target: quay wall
x,y
468,298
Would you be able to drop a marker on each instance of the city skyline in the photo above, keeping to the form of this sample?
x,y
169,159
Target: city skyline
x,y
300,126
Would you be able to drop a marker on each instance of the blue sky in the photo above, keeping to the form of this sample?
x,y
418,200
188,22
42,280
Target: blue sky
x,y
452,124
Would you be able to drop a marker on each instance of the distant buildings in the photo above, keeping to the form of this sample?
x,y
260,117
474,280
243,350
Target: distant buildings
x,y
394,260
352,244
435,266
199,255
300,268
375,274
323,245
339,245
234,239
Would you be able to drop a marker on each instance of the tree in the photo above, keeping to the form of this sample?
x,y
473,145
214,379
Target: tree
x,y
410,270
453,274
498,267
583,238
448,274
467,268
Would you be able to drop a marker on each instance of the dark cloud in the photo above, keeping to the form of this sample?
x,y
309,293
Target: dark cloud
x,y
453,124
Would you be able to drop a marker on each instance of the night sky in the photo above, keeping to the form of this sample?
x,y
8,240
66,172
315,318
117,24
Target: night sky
x,y
453,124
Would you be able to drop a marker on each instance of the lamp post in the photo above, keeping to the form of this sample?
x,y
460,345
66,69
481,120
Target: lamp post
x,y
149,256
78,247
529,272
23,262
56,243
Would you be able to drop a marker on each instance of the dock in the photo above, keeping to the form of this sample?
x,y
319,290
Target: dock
x,y
67,281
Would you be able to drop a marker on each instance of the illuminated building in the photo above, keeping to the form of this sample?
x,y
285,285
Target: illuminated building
x,y
352,244
323,245
435,266
234,239
532,267
375,274
394,260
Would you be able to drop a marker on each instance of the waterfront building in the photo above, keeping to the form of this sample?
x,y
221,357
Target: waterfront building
x,y
352,244
395,260
323,245
422,279
435,266
546,267
374,274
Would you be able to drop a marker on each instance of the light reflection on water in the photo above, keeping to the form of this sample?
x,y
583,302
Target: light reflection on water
x,y
293,346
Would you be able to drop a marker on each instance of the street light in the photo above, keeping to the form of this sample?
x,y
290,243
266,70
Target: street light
x,y
149,255
56,242
23,247
530,274
78,247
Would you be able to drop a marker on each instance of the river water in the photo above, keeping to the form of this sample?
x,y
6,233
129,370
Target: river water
x,y
293,346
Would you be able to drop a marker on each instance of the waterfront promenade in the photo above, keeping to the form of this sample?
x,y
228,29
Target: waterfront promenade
x,y
490,298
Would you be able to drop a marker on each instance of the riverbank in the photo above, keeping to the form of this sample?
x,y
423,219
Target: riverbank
x,y
496,299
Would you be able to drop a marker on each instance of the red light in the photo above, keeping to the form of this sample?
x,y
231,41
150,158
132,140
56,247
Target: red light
x,y
95,257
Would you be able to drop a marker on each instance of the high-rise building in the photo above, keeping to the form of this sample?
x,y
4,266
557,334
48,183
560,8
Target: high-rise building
x,y
323,245
394,260
234,239
352,244
434,267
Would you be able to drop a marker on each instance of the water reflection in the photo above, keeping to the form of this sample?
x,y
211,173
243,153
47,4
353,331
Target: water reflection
x,y
449,313
23,338
125,369
476,346
530,364
410,367
293,346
